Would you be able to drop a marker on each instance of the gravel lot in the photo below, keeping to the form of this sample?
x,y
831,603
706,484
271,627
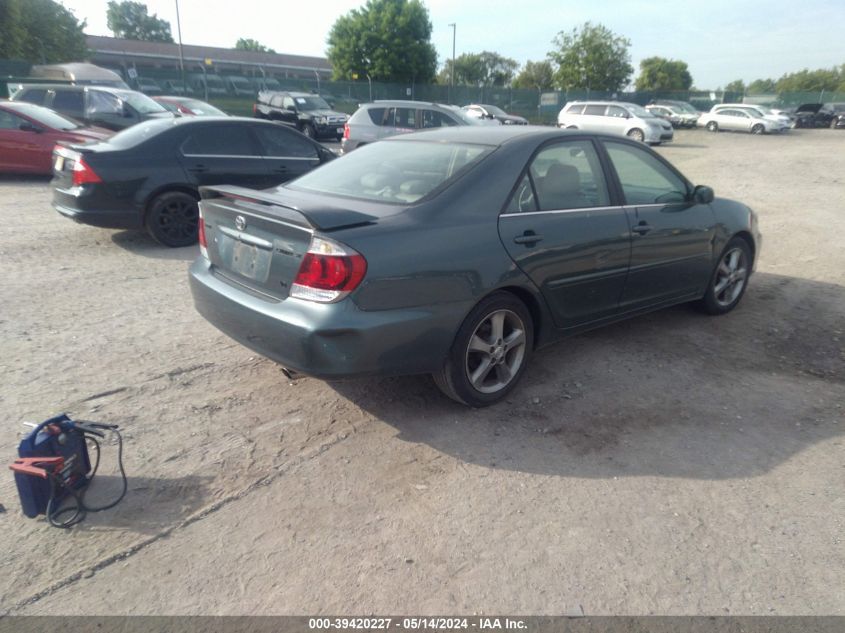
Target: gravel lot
x,y
672,464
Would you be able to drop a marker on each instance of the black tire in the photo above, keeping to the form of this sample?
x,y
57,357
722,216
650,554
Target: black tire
x,y
173,218
308,130
716,299
712,126
759,128
470,352
636,134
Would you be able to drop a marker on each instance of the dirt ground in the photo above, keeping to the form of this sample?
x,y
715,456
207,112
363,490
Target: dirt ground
x,y
672,464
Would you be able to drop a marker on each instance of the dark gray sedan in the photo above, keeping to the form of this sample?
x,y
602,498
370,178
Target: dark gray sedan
x,y
458,252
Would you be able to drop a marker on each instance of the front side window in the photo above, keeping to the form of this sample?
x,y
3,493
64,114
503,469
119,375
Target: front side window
x,y
617,111
568,176
644,178
432,118
227,140
103,103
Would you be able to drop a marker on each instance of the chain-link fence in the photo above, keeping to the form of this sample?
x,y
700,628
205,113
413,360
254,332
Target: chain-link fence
x,y
235,93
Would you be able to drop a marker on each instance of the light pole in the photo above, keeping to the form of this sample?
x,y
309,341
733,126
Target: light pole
x,y
452,77
181,58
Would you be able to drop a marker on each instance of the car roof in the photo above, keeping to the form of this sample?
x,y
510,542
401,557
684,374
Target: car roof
x,y
77,88
605,103
405,102
491,135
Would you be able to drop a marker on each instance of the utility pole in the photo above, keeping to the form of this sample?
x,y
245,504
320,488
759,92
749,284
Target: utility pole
x,y
452,78
181,58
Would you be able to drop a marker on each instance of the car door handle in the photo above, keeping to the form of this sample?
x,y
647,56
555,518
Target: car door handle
x,y
198,169
642,228
528,238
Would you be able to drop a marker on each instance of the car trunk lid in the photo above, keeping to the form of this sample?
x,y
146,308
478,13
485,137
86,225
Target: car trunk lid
x,y
257,239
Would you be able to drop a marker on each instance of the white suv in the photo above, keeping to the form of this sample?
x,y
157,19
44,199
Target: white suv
x,y
615,117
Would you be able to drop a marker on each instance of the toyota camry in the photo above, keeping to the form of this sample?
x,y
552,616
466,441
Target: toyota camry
x,y
458,252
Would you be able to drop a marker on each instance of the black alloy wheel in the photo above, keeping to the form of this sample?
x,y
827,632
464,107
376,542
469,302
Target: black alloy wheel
x,y
173,219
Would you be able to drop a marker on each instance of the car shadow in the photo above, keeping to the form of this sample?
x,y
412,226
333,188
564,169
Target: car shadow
x,y
150,504
140,243
671,394
23,179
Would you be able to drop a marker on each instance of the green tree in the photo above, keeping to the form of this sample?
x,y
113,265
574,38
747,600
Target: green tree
x,y
40,31
535,76
737,85
130,20
249,44
761,87
806,80
389,40
591,57
480,69
659,73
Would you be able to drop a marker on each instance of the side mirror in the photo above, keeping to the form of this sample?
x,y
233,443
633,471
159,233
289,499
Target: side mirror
x,y
702,194
127,112
29,127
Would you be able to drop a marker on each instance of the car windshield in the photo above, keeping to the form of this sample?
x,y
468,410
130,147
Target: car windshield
x,y
464,117
639,111
142,103
201,107
311,103
47,117
686,107
494,110
397,172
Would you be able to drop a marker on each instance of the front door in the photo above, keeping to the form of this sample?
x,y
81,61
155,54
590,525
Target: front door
x,y
672,236
287,154
562,231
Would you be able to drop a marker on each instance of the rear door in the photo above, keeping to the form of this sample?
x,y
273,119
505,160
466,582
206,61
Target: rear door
x,y
22,149
593,119
563,232
223,153
287,153
671,236
68,102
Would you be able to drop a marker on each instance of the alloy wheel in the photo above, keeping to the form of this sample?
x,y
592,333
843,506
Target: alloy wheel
x,y
496,351
178,220
730,277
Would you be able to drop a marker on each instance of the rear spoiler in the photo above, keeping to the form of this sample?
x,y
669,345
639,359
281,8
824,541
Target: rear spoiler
x,y
320,217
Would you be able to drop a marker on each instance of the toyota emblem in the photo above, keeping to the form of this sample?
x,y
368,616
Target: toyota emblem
x,y
240,223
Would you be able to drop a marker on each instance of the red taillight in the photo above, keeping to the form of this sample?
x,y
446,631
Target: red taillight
x,y
201,234
329,271
83,174
345,130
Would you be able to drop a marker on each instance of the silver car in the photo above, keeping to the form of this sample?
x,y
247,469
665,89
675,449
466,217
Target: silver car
x,y
615,117
739,120
783,122
381,119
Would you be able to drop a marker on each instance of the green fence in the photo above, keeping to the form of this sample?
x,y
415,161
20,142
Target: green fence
x,y
235,93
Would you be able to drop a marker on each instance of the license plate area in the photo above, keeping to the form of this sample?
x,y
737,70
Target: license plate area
x,y
245,259
340,130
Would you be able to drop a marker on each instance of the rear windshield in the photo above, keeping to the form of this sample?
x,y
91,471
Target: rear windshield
x,y
394,172
140,132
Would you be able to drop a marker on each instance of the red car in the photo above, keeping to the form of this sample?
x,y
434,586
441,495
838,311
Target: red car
x,y
28,133
186,106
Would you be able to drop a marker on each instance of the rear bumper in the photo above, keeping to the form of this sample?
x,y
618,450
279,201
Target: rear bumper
x,y
328,341
89,210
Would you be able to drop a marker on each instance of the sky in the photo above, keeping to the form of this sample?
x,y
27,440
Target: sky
x,y
720,40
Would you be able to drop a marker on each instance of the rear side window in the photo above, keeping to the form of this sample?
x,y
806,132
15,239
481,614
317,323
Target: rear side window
x,y
278,142
406,118
376,115
568,175
227,140
33,96
595,110
71,101
576,109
